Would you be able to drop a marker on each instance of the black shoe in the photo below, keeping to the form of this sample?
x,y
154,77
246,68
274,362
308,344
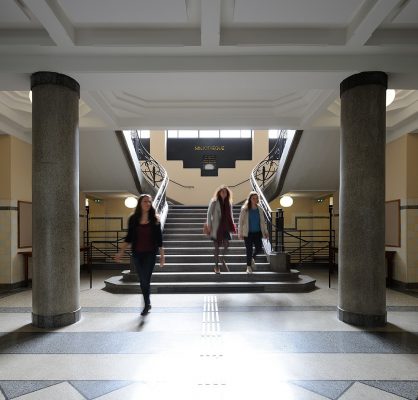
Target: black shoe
x,y
146,310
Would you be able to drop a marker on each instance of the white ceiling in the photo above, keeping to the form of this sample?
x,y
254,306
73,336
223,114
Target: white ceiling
x,y
208,63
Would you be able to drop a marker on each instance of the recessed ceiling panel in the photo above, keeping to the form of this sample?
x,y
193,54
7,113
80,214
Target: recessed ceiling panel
x,y
132,12
296,12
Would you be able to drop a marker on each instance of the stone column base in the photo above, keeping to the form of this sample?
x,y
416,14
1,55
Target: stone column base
x,y
56,321
363,320
279,262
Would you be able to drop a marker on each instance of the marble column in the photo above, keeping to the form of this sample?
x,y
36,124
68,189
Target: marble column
x,y
361,286
55,197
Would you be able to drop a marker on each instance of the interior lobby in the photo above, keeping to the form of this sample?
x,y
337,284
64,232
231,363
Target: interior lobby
x,y
210,89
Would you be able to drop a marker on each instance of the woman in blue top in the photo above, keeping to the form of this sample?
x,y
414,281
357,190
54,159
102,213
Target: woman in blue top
x,y
252,228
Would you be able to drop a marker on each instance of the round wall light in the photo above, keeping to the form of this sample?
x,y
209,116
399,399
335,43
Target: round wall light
x,y
131,202
390,96
286,201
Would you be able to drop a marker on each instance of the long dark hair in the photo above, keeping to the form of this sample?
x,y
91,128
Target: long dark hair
x,y
152,215
217,195
247,203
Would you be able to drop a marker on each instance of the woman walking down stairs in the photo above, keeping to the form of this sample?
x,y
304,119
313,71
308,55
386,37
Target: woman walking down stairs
x,y
189,263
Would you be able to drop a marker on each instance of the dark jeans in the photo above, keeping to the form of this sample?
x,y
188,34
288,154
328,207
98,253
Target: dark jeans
x,y
144,265
252,240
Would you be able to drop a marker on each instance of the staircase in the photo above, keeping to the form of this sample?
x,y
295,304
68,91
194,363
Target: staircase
x,y
190,261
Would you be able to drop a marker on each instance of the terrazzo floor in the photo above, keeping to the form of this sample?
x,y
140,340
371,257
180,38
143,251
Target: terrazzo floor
x,y
197,346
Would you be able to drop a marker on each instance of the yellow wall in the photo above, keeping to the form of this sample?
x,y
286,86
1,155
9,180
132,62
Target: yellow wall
x,y
402,184
5,186
396,167
21,170
204,187
108,207
302,206
412,166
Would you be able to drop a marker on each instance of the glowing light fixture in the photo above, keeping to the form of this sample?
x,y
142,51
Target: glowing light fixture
x,y
30,95
390,96
131,202
286,201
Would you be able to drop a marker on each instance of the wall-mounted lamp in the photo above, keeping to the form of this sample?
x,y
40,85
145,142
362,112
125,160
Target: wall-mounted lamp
x,y
286,201
30,95
390,96
131,202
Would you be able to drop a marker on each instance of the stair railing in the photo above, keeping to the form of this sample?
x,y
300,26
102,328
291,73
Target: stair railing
x,y
155,174
267,169
261,175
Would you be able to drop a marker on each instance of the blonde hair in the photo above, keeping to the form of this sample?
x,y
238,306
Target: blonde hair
x,y
216,195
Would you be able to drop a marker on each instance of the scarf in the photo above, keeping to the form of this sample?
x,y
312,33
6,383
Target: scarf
x,y
226,223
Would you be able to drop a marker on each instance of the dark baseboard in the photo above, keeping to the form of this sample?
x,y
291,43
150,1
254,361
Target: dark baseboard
x,y
403,285
104,267
7,287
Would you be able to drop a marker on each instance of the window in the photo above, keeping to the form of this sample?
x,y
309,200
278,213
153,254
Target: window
x,y
188,134
210,133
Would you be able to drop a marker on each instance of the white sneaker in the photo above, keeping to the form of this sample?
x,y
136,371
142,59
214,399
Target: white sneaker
x,y
253,264
249,270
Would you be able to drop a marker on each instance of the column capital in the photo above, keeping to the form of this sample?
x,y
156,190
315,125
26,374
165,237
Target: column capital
x,y
364,78
54,78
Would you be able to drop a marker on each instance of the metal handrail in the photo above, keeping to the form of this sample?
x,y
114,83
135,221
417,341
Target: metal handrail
x,y
267,168
153,171
155,174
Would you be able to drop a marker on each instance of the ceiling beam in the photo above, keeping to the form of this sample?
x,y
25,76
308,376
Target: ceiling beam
x,y
94,64
50,14
210,23
370,16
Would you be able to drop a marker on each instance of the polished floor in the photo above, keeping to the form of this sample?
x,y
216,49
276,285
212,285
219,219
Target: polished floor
x,y
224,346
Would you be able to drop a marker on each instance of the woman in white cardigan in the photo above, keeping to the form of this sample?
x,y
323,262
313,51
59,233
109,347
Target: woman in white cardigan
x,y
220,224
252,228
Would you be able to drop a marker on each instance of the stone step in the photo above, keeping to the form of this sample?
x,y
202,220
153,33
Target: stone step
x,y
200,250
199,243
174,225
193,214
203,267
200,220
302,284
210,276
185,236
184,208
206,258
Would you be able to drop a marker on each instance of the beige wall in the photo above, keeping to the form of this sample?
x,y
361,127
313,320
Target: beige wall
x,y
396,167
15,184
301,207
109,207
5,165
204,187
21,170
402,184
412,166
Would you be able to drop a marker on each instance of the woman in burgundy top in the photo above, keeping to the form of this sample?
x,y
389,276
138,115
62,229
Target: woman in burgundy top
x,y
145,238
220,224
